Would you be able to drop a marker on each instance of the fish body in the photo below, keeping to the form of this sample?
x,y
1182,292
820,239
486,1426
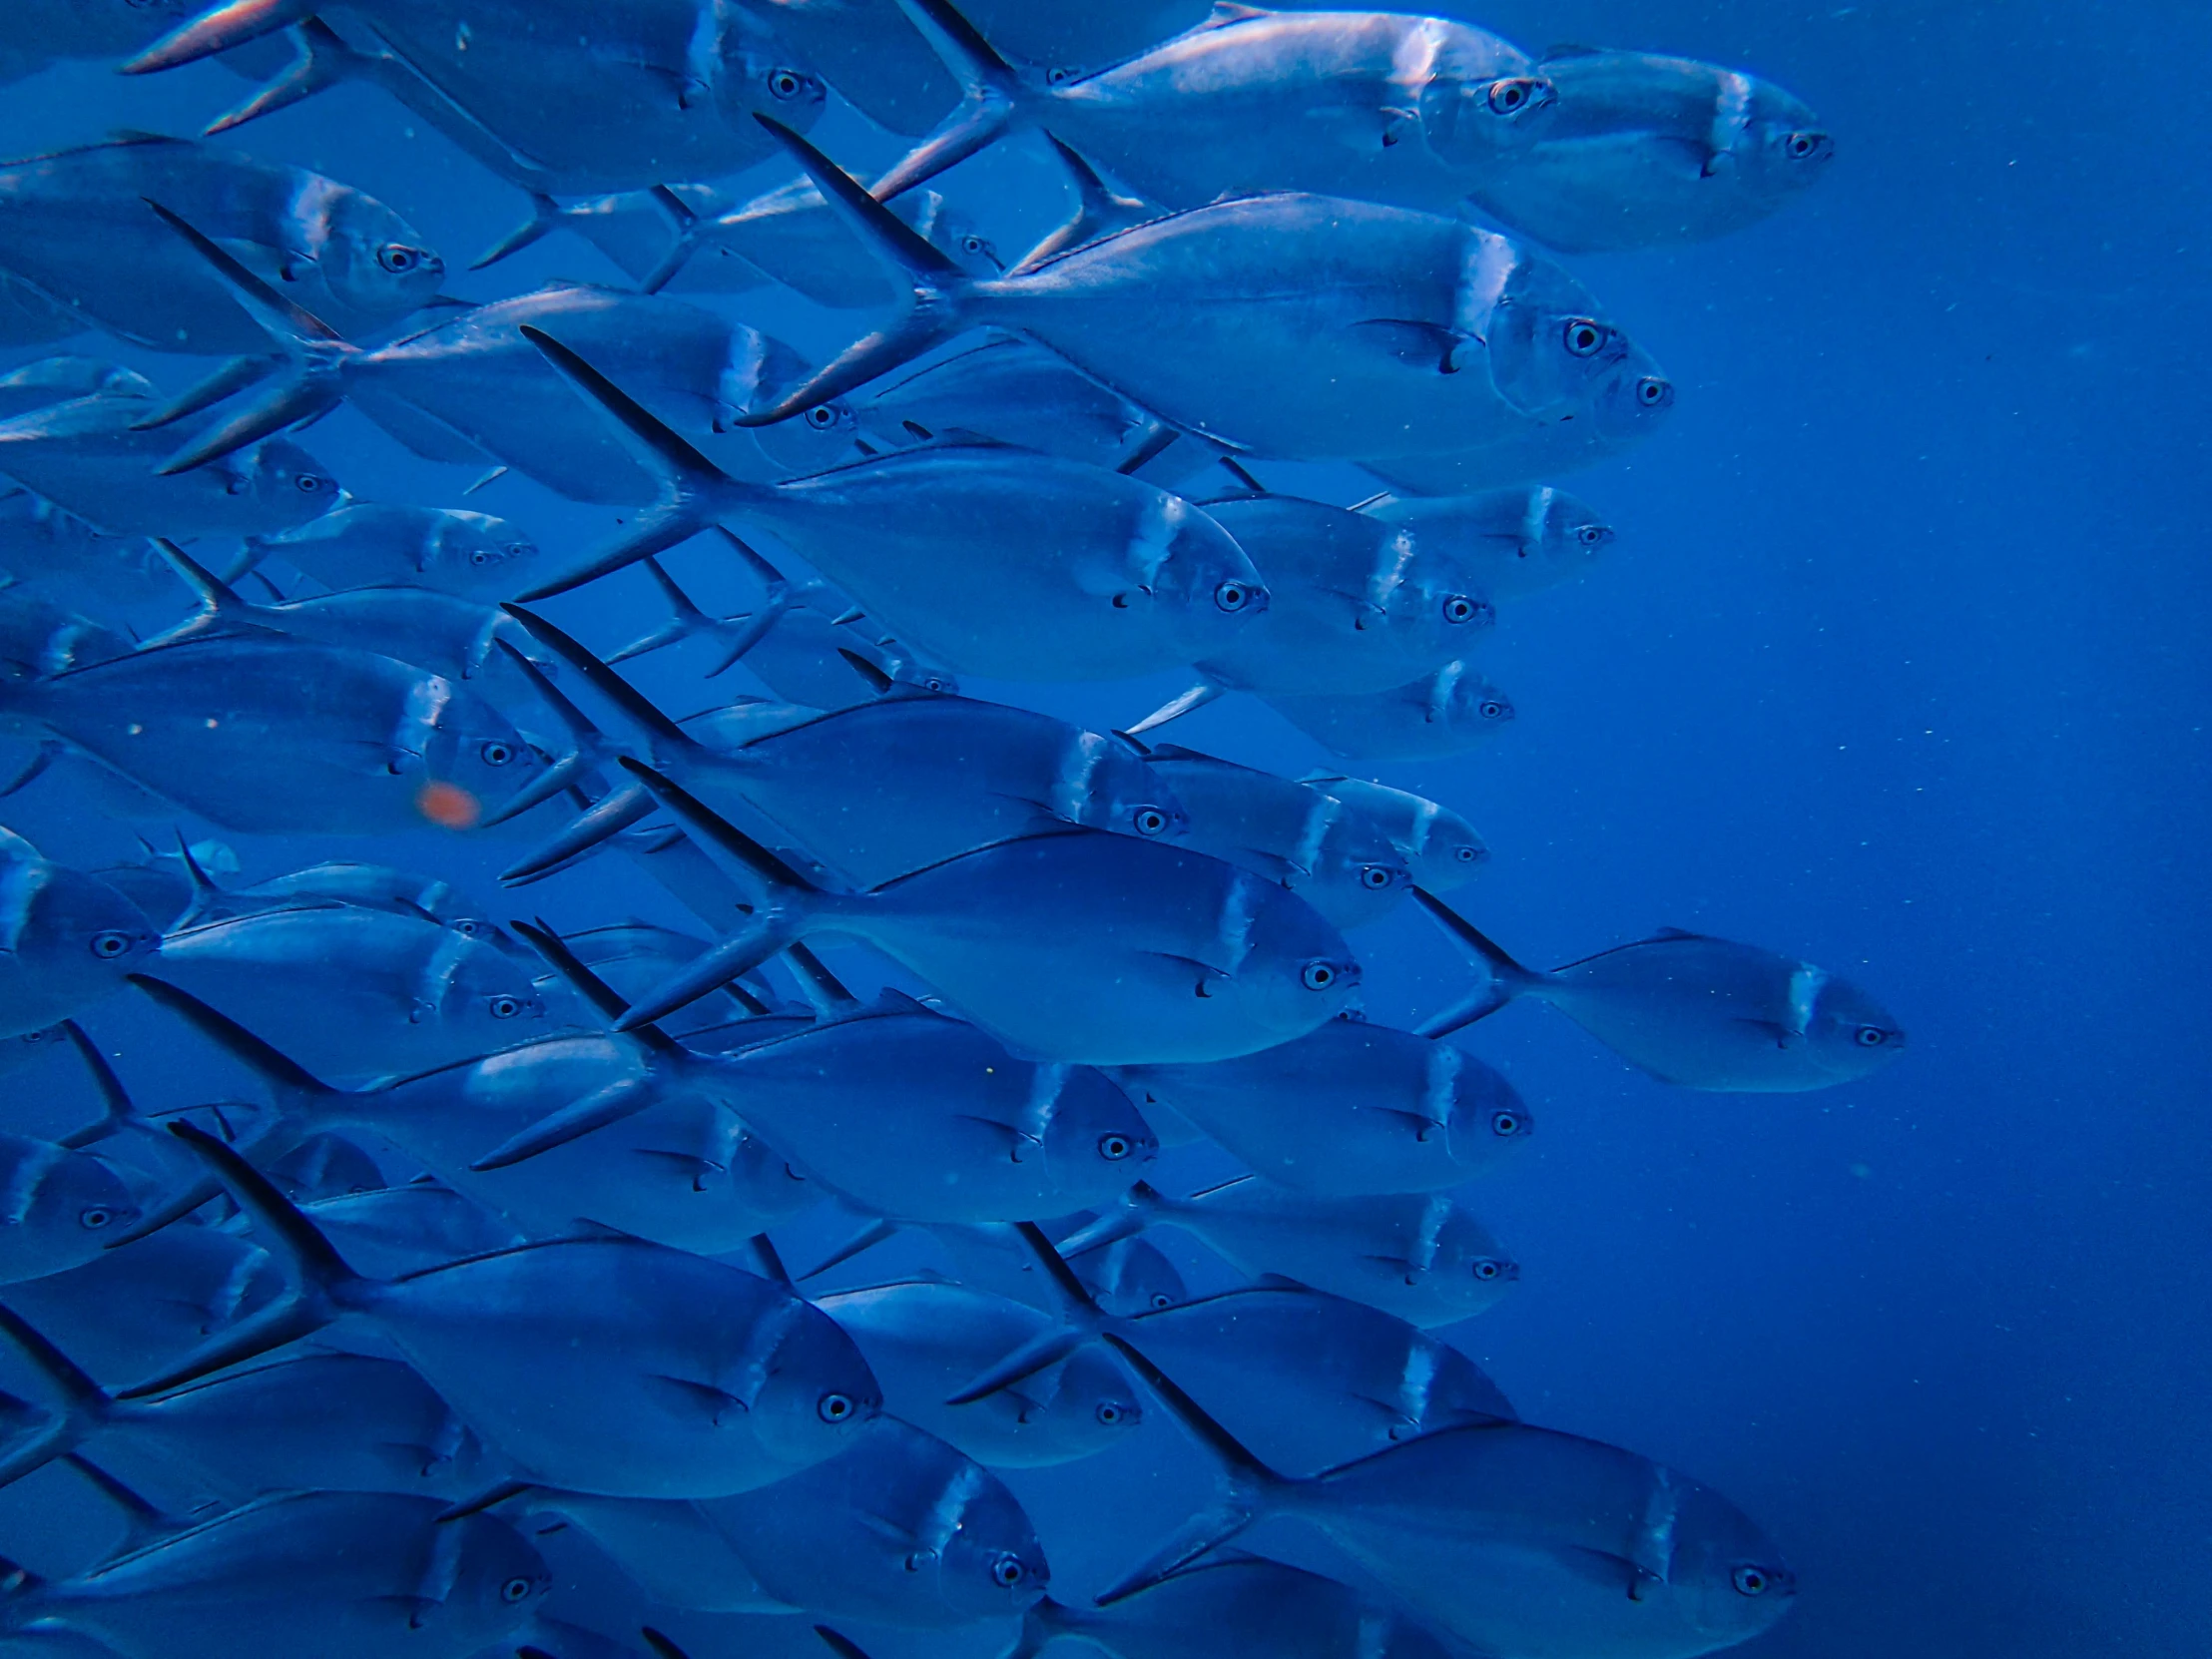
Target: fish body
x,y
350,1575
1646,150
1446,713
75,225
1507,544
1438,846
924,1339
1349,1109
61,557
364,544
395,1231
1279,1610
87,457
366,886
65,939
40,636
272,735
358,993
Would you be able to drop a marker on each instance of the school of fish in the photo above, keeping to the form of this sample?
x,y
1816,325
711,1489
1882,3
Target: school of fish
x,y
463,1329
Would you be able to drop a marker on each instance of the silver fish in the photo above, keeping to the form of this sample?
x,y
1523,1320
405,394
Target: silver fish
x,y
63,558
65,939
1348,1109
868,53
1447,713
1697,1011
59,1207
601,1364
1422,1257
361,544
74,225
39,636
1358,331
924,1338
350,1575
1438,846
1509,543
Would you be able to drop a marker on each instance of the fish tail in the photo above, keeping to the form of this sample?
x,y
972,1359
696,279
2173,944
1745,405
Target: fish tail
x,y
119,1111
218,30
879,1230
991,97
653,731
323,1285
597,824
85,1405
293,1086
685,227
228,381
1099,212
937,286
1050,1348
545,217
320,61
1507,980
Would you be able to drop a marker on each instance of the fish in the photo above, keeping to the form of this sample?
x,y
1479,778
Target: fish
x,y
1361,331
1509,1538
1362,607
1272,1608
1420,1256
632,956
393,1231
1285,831
61,557
263,735
311,1423
1410,111
324,1166
696,239
1509,543
1447,712
666,1164
597,1363
1084,947
65,376
339,881
882,789
1438,846
67,939
994,561
47,30
924,1338
73,223
59,1206
1647,151
358,993
90,457
1349,1109
868,53
363,544
797,645
473,388
346,1574
40,636
1695,1011
565,97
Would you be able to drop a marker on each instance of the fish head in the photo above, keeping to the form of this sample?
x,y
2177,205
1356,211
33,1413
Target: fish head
x,y
497,1578
1198,572
1723,1574
815,440
1131,1277
290,485
1472,117
1561,533
1849,1033
1768,145
1103,783
1295,972
1467,1263
1555,356
1468,704
1092,1390
1444,848
471,551
373,260
489,992
58,1208
817,1395
74,926
756,72
983,1550
952,232
1483,1114
1095,1143
467,755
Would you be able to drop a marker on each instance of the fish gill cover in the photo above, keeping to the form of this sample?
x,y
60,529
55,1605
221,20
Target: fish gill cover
x,y
777,773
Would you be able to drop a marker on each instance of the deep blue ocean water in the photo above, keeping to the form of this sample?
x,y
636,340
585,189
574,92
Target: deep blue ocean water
x,y
1898,664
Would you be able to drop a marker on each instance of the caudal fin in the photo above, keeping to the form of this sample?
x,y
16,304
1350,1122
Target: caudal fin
x,y
991,97
937,284
320,61
1084,1321
217,29
80,1406
1507,980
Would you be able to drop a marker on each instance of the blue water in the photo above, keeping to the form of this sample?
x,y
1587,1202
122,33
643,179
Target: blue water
x,y
1898,664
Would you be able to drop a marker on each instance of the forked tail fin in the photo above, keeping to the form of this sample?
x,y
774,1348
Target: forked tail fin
x,y
993,96
1507,978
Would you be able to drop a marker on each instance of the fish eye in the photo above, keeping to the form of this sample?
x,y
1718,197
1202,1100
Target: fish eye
x,y
1374,878
1114,1148
1467,855
1161,1298
1319,977
1006,1572
1232,596
307,483
95,1217
110,945
821,418
971,245
1150,821
479,557
1491,709
1870,1036
504,1007
1804,145
464,926
1108,1413
1485,1269
398,257
1750,1581
516,1589
1459,607
1504,1123
1651,391
787,83
834,1408
496,752
1058,77
1593,535
1585,337
1513,96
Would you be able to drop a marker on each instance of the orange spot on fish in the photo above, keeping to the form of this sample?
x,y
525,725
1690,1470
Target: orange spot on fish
x,y
448,805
